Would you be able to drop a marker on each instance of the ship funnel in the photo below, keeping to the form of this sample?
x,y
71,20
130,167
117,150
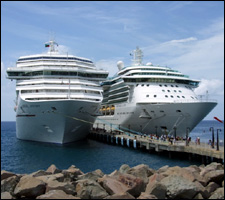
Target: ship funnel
x,y
120,65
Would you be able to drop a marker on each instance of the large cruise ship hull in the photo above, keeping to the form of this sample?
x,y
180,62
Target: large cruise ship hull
x,y
60,121
159,118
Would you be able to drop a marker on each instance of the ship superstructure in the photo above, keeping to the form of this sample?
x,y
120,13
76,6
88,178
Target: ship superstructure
x,y
57,96
150,99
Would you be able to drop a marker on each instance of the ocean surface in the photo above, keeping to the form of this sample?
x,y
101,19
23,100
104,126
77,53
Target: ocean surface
x,y
88,155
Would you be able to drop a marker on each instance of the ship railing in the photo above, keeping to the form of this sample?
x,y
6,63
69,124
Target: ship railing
x,y
205,145
194,100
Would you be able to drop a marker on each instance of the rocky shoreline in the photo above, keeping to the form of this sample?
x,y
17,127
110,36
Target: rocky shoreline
x,y
139,182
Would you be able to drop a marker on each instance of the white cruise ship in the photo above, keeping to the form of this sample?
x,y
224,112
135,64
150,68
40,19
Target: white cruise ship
x,y
150,99
57,96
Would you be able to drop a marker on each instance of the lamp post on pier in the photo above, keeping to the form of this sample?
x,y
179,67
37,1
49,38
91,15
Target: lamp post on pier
x,y
175,132
213,140
217,137
156,130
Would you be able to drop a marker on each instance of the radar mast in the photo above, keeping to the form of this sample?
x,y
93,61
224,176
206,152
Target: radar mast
x,y
137,56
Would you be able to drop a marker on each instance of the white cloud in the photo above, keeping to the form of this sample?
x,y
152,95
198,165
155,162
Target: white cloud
x,y
182,40
213,86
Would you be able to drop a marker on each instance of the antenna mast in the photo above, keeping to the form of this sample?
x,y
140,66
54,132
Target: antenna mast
x,y
137,56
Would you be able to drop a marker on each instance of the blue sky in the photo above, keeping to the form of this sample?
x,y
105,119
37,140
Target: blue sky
x,y
185,35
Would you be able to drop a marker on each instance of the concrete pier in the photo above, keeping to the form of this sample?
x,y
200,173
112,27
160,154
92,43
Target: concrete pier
x,y
205,151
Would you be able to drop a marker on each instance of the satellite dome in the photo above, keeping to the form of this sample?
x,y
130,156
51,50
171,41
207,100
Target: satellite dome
x,y
120,65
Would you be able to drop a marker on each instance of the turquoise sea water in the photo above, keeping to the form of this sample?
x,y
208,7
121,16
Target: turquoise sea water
x,y
25,157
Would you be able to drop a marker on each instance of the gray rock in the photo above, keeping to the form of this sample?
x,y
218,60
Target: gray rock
x,y
9,184
124,195
179,187
56,194
152,181
52,177
142,171
67,187
6,195
158,190
163,169
90,175
215,166
198,196
216,176
6,174
146,196
218,194
87,189
112,186
53,169
211,187
124,168
29,187
71,173
40,173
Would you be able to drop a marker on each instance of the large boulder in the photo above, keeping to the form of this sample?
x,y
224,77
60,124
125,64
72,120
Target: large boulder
x,y
72,173
187,173
6,174
179,187
123,183
52,177
29,187
218,194
124,195
159,190
112,186
40,173
56,194
67,187
152,181
216,176
142,171
124,168
6,195
147,196
91,175
88,189
53,169
9,184
211,187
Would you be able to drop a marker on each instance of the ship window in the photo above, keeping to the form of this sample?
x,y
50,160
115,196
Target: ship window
x,y
180,91
183,97
168,90
137,85
178,111
178,96
147,85
175,91
171,96
160,85
165,85
142,85
176,85
172,86
166,96
163,90
155,96
147,95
